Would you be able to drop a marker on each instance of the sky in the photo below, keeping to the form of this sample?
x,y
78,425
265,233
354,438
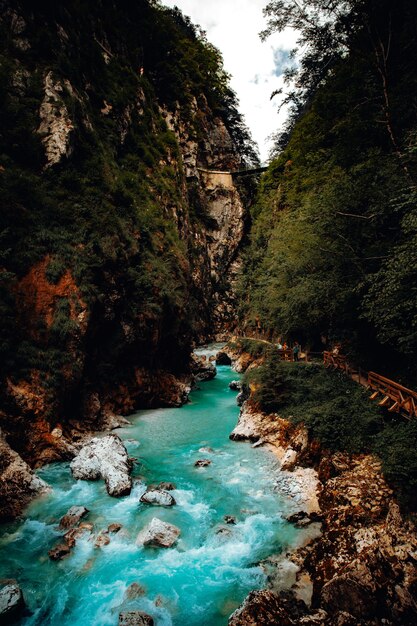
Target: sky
x,y
256,67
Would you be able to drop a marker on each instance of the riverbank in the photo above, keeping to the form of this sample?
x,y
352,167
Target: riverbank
x,y
362,569
217,494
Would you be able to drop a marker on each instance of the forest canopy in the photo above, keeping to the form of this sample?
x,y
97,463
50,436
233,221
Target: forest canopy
x,y
333,249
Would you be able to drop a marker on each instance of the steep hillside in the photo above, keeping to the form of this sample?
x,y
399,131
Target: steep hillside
x,y
333,247
113,245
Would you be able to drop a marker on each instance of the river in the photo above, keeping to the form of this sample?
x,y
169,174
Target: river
x,y
207,574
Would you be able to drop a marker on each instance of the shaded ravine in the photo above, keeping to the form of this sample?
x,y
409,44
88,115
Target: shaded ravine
x,y
214,565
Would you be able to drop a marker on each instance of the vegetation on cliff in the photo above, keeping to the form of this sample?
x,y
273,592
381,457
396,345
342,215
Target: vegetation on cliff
x,y
333,243
337,413
103,253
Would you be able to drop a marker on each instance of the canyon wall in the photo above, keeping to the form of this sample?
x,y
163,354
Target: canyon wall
x,y
118,251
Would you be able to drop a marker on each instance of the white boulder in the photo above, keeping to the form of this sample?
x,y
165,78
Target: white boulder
x,y
11,600
159,534
159,497
107,458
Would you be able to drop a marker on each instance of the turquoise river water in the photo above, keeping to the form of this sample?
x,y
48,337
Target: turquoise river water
x,y
207,574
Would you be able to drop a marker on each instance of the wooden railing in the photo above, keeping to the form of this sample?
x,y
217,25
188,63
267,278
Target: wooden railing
x,y
395,397
338,361
286,355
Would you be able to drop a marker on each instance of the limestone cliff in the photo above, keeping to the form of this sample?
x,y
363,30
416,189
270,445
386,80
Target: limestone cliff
x,y
119,249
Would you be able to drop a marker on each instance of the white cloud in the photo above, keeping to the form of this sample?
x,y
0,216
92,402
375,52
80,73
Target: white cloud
x,y
233,26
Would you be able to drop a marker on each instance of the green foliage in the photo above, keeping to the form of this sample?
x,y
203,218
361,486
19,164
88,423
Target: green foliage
x,y
332,246
55,270
112,214
396,445
62,326
254,347
337,412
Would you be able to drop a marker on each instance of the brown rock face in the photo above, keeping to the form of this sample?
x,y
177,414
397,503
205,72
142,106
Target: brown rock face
x,y
135,618
18,483
59,552
37,297
73,516
264,608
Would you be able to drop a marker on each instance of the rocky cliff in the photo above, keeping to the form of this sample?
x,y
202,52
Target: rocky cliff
x,y
118,247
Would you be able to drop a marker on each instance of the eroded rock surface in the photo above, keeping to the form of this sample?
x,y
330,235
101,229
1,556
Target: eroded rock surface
x,y
11,600
202,463
135,618
73,516
158,497
60,551
56,125
158,534
18,483
202,369
107,458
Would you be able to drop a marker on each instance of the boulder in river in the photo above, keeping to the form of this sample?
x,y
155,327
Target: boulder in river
x,y
135,591
235,385
206,450
202,369
59,552
72,535
243,395
158,497
104,457
115,527
158,534
166,486
135,618
72,517
230,519
202,463
11,600
223,359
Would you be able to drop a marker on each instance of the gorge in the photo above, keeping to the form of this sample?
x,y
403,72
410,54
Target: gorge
x,y
138,224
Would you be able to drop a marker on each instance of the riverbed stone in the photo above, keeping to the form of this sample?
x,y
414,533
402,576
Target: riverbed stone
x,y
229,519
72,517
158,497
11,600
107,458
166,486
158,534
135,618
59,552
223,359
202,369
202,463
115,527
134,591
72,535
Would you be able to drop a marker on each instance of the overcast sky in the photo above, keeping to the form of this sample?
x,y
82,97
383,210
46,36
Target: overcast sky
x,y
256,68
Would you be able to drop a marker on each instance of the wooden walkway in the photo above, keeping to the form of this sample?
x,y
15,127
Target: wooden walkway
x,y
396,397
